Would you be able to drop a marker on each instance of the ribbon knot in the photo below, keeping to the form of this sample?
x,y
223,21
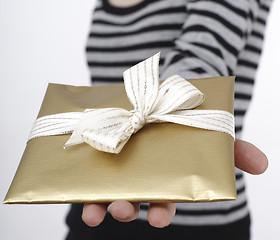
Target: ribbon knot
x,y
108,129
137,121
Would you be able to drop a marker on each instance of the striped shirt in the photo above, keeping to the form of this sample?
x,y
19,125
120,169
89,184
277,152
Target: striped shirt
x,y
197,39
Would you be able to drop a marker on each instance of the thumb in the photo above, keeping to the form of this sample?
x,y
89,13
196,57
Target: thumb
x,y
249,158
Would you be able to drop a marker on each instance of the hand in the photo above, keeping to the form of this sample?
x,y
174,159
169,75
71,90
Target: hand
x,y
247,158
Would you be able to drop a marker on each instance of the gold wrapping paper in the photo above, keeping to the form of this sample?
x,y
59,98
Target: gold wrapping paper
x,y
163,162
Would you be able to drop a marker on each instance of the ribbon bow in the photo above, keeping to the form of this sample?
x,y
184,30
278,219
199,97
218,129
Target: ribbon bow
x,y
108,129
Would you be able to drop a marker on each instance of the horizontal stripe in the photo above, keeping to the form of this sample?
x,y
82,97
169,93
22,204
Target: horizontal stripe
x,y
260,20
105,79
239,112
244,80
242,96
118,64
247,63
264,7
257,34
132,47
240,190
238,176
197,70
253,49
238,128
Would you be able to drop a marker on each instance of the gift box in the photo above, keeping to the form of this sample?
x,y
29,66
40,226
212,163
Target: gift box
x,y
162,162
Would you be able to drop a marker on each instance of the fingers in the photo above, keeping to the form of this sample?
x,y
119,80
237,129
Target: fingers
x,y
93,214
249,158
124,211
160,215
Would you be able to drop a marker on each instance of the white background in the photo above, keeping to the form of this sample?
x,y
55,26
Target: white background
x,y
44,41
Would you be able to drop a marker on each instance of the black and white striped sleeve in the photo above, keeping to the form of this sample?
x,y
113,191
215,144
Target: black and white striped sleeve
x,y
212,37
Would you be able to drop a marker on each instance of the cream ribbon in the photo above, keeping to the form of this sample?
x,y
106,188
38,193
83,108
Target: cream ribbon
x,y
108,129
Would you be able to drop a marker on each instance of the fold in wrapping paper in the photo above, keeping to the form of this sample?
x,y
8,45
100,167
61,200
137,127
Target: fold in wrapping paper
x,y
162,162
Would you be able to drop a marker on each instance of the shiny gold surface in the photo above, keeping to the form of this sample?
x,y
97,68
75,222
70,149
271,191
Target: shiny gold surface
x,y
162,162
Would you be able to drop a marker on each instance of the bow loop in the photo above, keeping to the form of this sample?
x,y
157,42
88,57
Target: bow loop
x,y
176,93
141,84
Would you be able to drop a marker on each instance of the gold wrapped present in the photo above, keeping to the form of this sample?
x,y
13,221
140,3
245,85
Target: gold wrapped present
x,y
162,162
